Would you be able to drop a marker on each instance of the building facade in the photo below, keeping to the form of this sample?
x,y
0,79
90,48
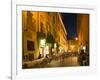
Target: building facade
x,y
83,30
43,33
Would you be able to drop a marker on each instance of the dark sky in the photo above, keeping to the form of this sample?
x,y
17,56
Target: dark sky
x,y
70,22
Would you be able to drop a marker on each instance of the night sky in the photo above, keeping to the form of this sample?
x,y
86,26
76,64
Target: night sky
x,y
70,22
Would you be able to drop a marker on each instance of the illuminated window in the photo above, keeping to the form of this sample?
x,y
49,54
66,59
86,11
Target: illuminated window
x,y
47,49
42,42
55,45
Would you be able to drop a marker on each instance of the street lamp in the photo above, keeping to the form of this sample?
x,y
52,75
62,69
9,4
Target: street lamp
x,y
76,38
84,48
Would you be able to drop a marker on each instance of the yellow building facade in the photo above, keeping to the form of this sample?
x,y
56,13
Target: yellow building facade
x,y
42,33
83,29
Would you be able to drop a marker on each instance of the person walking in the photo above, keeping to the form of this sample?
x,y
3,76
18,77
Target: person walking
x,y
82,58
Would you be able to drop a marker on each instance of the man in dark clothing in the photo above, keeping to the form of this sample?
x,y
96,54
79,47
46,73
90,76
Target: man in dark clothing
x,y
82,58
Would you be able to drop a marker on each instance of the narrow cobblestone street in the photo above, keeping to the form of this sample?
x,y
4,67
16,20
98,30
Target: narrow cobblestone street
x,y
69,61
60,62
54,39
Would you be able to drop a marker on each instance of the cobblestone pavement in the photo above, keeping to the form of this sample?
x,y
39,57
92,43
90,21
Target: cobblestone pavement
x,y
69,61
66,62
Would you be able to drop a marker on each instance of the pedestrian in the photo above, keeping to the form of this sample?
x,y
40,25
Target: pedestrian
x,y
82,58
